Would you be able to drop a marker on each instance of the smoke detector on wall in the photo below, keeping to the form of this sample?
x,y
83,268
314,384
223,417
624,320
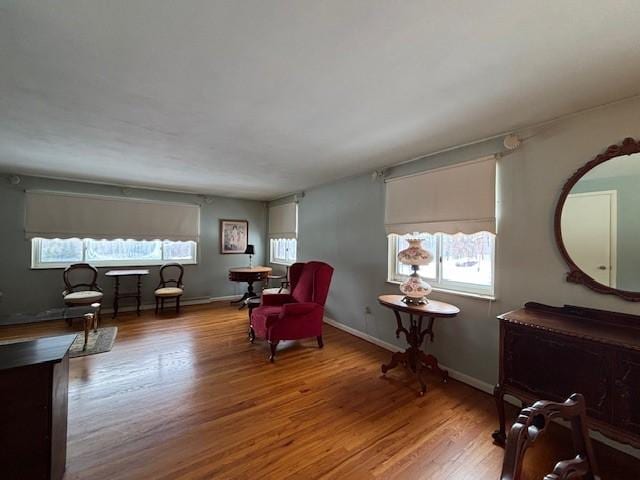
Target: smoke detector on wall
x,y
511,141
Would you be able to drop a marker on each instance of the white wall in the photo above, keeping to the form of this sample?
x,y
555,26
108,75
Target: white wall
x,y
342,223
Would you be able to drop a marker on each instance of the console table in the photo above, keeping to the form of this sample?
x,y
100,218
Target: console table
x,y
117,275
551,352
34,377
413,357
248,275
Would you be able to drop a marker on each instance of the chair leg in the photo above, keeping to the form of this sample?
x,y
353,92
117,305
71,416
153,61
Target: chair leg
x,y
177,305
252,335
162,304
273,346
320,341
156,305
86,331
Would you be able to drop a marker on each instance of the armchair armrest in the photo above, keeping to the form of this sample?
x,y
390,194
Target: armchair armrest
x,y
275,299
293,309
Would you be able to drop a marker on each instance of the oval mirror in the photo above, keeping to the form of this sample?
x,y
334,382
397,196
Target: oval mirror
x,y
597,222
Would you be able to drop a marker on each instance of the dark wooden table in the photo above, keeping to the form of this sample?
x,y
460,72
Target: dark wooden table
x,y
117,275
34,378
416,360
248,275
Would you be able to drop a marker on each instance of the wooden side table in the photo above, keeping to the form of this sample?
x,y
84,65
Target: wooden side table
x,y
117,274
413,357
248,275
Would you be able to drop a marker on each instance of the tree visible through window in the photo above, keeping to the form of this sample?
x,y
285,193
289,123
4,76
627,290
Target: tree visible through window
x,y
283,250
47,253
463,263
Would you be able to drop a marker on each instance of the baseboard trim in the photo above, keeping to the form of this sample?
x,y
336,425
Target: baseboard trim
x,y
461,377
477,384
184,302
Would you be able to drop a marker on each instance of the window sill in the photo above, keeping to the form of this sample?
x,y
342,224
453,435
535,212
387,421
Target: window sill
x,y
111,265
284,264
455,292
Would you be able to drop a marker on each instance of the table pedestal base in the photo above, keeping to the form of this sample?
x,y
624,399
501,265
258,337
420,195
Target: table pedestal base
x,y
245,296
417,362
413,358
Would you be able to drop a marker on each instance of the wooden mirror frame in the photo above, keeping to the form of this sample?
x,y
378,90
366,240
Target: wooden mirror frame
x,y
629,146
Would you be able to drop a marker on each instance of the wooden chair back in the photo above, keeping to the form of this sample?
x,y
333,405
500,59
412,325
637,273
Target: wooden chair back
x,y
171,274
89,280
533,421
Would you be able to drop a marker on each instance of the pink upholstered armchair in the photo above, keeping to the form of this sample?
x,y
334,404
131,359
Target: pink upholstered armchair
x,y
296,315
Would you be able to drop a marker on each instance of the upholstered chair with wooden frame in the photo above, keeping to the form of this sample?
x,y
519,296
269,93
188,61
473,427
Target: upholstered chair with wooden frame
x,y
170,285
81,287
283,278
297,315
533,421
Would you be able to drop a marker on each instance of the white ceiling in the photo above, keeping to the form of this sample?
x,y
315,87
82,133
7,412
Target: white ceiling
x,y
259,98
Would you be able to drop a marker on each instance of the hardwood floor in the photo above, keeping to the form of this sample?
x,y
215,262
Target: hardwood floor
x,y
189,398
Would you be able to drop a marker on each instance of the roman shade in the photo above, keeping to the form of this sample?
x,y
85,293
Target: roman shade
x,y
455,199
283,220
66,215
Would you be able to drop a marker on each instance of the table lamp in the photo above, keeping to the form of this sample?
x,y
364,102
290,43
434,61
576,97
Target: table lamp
x,y
251,251
414,288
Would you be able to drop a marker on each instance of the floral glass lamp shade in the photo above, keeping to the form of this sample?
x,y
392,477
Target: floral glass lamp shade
x,y
414,288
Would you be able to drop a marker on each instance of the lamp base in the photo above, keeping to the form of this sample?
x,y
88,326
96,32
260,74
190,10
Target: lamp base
x,y
415,301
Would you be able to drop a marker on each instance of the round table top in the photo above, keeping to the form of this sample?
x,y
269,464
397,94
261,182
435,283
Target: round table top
x,y
434,308
250,270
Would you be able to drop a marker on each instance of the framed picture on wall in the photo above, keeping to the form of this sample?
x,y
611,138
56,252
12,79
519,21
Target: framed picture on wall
x,y
234,236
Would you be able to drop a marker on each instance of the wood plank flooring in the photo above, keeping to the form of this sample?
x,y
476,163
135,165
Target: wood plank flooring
x,y
189,398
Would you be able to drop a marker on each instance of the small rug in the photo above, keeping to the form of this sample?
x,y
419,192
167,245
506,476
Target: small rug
x,y
99,342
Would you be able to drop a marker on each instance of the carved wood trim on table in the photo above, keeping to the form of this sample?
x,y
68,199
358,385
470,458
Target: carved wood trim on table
x,y
629,146
413,357
550,352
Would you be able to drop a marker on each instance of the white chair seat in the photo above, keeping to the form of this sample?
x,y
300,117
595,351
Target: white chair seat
x,y
84,297
168,292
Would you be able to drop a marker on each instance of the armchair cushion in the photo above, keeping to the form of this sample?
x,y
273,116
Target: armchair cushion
x,y
276,299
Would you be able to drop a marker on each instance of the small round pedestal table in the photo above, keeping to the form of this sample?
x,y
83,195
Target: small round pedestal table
x,y
413,357
248,275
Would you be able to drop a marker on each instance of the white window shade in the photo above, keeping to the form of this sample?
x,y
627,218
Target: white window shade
x,y
456,199
283,221
62,215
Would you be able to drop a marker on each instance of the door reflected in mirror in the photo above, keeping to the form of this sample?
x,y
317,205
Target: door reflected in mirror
x,y
600,223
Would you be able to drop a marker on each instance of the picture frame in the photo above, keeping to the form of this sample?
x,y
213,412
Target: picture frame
x,y
234,236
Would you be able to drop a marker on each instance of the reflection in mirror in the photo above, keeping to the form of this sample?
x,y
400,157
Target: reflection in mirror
x,y
601,225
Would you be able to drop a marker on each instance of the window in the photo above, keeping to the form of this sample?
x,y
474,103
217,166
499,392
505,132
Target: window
x,y
283,250
463,263
58,253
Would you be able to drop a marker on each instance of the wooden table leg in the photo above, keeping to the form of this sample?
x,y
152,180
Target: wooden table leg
x,y
138,294
431,362
500,435
115,297
417,361
88,321
396,358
